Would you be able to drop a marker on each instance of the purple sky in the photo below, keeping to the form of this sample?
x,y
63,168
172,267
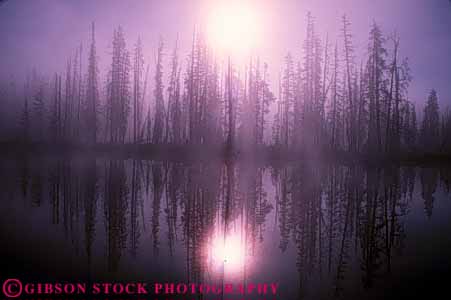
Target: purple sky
x,y
41,33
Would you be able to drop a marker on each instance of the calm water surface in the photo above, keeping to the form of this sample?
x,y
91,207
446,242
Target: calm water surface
x,y
321,231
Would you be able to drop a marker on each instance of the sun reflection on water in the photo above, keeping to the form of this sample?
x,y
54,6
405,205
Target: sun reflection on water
x,y
228,253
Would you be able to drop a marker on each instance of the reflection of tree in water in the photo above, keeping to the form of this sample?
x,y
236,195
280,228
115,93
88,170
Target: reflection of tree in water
x,y
221,200
255,205
9,186
72,189
283,205
135,199
55,190
37,187
445,177
70,177
157,186
116,204
174,195
428,178
199,207
264,207
381,222
251,209
24,176
90,195
337,217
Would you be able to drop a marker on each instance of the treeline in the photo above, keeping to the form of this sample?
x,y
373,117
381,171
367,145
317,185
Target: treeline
x,y
207,103
329,99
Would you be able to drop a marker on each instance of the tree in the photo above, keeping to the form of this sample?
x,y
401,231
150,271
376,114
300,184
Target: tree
x,y
158,126
92,92
55,113
376,67
334,110
430,128
173,116
410,127
287,102
118,90
25,117
38,112
138,66
309,92
349,64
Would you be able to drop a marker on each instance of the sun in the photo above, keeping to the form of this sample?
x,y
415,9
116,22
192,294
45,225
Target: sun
x,y
233,26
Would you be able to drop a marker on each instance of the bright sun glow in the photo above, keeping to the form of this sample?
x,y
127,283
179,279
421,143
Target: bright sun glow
x,y
233,26
228,252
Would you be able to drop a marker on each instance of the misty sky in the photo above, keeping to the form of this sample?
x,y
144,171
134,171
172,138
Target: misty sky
x,y
43,33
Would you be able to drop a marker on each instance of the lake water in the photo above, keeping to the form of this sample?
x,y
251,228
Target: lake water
x,y
320,231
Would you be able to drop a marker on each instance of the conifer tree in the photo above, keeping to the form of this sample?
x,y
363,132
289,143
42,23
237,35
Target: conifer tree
x,y
92,92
